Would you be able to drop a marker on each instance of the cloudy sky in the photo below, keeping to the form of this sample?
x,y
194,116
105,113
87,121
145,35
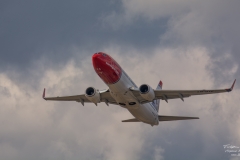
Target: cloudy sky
x,y
187,44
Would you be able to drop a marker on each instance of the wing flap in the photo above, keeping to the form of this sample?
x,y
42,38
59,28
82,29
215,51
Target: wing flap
x,y
174,118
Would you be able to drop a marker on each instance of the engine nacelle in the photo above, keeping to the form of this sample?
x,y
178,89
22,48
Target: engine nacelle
x,y
147,92
92,95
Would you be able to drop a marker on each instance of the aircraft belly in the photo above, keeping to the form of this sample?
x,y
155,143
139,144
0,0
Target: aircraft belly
x,y
120,90
121,86
121,93
145,114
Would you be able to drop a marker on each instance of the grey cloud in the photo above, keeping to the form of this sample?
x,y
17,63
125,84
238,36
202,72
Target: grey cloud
x,y
5,91
34,128
211,24
65,130
49,44
31,30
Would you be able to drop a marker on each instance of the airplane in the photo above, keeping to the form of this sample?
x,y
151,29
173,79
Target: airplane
x,y
143,102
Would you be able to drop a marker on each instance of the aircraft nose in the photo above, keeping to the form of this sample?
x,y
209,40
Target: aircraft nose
x,y
106,67
96,60
95,57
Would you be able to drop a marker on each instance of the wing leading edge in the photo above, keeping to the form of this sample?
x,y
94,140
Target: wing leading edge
x,y
159,94
181,94
105,97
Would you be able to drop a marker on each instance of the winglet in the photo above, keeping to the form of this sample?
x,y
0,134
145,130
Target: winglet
x,y
230,89
43,96
233,84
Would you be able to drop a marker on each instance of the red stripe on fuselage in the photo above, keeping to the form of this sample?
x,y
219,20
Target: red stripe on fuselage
x,y
106,68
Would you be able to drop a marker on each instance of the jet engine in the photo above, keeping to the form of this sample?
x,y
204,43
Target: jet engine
x,y
147,92
92,95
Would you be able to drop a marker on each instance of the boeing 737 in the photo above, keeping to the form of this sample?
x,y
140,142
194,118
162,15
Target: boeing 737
x,y
143,102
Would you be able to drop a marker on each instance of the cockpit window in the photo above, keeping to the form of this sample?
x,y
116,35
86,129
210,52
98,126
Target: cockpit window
x,y
104,55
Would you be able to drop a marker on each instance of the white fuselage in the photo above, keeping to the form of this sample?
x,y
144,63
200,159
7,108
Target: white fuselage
x,y
121,93
119,83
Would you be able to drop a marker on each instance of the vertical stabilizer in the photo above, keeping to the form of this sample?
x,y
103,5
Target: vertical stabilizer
x,y
156,103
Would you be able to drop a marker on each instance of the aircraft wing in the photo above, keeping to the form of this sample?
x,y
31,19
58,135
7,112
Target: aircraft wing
x,y
104,94
181,94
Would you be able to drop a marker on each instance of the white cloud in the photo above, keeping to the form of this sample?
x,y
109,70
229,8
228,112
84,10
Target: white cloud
x,y
203,37
188,69
158,153
211,24
62,130
66,130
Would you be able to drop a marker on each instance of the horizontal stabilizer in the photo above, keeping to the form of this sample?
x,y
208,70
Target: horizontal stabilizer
x,y
131,120
174,118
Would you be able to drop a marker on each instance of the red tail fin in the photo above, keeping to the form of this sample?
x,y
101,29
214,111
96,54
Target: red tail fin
x,y
160,84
